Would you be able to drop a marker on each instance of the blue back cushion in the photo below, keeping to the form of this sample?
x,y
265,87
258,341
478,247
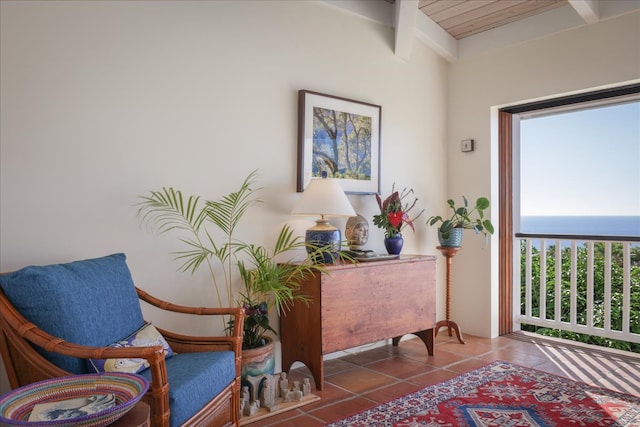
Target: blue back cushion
x,y
91,302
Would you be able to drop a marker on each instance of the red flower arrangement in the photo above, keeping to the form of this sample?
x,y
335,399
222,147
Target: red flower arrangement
x,y
394,216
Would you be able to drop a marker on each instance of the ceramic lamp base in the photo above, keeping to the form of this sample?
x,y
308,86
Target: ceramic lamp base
x,y
322,235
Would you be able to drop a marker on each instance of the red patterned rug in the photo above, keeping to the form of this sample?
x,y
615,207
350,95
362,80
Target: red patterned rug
x,y
504,395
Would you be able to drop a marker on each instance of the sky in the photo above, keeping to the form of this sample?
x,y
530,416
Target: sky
x,y
582,163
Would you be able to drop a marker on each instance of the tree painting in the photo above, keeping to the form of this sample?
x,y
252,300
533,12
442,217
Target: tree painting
x,y
341,144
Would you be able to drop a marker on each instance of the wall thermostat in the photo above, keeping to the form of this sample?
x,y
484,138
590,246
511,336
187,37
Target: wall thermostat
x,y
467,145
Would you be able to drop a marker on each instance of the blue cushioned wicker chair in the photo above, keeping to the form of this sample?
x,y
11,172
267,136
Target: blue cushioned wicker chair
x,y
56,318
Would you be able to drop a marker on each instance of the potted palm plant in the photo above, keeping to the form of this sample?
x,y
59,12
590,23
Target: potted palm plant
x,y
207,229
450,230
270,282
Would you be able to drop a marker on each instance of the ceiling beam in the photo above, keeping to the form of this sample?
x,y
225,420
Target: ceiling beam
x,y
406,12
587,9
434,36
393,15
373,10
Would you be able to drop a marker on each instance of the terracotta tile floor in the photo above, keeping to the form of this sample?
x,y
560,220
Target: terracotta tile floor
x,y
359,381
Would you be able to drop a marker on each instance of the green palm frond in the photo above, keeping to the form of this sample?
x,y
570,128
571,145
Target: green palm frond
x,y
192,259
227,212
166,210
286,241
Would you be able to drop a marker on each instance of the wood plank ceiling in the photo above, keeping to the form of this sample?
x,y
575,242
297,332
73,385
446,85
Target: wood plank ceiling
x,y
464,18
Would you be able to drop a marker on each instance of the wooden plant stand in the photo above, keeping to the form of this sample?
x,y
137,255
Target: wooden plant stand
x,y
449,253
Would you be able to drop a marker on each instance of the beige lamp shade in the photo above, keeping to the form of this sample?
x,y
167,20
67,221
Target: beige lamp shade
x,y
324,197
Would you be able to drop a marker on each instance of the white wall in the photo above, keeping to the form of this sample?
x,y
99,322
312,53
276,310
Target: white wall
x,y
103,101
598,55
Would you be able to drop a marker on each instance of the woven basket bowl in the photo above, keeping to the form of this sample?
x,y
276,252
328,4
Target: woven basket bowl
x,y
16,406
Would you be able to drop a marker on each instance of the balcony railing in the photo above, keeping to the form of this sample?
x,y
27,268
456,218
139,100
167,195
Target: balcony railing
x,y
590,286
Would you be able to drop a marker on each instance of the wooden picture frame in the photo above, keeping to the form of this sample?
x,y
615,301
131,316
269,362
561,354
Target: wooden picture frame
x,y
341,136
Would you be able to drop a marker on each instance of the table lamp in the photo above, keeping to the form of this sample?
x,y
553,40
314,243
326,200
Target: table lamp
x,y
325,197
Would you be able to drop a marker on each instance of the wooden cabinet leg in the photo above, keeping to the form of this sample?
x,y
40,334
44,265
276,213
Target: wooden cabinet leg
x,y
427,337
316,366
317,370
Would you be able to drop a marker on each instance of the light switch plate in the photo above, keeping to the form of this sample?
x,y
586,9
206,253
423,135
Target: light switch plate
x,y
467,145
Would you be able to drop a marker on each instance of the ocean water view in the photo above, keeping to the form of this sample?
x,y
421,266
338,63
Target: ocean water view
x,y
624,226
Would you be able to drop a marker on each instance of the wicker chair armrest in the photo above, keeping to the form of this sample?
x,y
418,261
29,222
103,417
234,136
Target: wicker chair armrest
x,y
165,305
237,313
187,344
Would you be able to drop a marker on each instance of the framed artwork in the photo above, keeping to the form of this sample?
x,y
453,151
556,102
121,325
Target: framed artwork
x,y
342,137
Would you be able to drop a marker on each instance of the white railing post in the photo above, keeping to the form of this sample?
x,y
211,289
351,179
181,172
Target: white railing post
x,y
543,280
528,278
607,286
574,283
590,279
557,306
626,288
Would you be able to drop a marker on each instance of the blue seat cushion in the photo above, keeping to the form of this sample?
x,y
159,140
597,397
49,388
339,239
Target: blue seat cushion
x,y
91,302
195,379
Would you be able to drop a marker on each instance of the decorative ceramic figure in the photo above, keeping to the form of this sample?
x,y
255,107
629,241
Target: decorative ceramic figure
x,y
357,232
306,387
